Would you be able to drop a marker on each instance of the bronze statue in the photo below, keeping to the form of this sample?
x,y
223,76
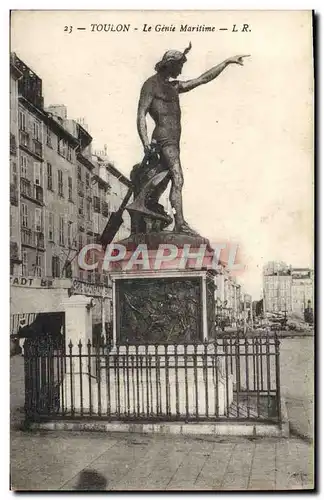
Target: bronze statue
x,y
160,98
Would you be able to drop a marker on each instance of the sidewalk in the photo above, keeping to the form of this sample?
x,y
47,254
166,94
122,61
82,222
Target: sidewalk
x,y
98,461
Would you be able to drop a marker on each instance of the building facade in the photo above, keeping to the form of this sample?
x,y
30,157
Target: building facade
x,y
287,289
228,296
61,195
302,290
15,234
277,287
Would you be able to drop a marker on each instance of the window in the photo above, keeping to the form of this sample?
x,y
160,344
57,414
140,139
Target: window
x,y
38,173
38,220
81,206
23,166
60,182
14,174
56,271
24,263
48,137
24,215
88,209
87,178
79,173
70,188
62,147
49,177
68,270
11,224
38,266
37,131
51,228
22,120
80,241
62,224
69,153
70,234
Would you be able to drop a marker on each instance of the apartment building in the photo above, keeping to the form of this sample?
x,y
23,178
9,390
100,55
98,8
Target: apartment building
x,y
31,170
287,289
15,239
277,287
228,296
302,290
61,195
117,187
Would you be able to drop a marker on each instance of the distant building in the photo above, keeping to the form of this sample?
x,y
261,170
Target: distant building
x,y
277,287
302,290
287,289
228,297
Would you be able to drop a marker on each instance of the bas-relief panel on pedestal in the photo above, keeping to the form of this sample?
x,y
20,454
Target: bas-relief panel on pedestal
x,y
159,310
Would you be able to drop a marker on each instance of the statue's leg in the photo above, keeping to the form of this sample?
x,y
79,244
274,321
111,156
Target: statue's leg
x,y
171,158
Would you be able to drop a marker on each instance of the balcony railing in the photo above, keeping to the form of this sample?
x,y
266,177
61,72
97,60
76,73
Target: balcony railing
x,y
24,138
13,144
25,187
13,194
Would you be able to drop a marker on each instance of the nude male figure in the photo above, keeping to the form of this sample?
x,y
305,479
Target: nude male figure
x,y
160,98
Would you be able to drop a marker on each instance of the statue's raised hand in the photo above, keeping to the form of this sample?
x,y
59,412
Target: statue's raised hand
x,y
237,60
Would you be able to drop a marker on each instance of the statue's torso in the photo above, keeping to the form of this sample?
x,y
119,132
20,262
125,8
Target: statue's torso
x,y
165,110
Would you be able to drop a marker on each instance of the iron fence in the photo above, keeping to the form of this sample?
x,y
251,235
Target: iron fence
x,y
228,378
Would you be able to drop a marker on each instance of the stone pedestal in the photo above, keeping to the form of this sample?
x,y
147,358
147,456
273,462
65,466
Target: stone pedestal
x,y
163,308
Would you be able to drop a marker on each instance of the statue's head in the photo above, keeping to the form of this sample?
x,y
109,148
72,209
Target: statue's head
x,y
172,62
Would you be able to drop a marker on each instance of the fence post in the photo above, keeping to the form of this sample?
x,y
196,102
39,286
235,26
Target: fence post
x,y
278,392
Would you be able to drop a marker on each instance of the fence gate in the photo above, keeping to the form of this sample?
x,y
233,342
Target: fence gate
x,y
43,347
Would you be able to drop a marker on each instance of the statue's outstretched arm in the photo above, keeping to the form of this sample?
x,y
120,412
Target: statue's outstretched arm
x,y
209,75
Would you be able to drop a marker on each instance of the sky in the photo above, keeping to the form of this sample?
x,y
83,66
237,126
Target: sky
x,y
247,137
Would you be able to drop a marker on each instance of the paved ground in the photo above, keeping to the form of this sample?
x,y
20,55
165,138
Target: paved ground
x,y
85,461
81,461
297,383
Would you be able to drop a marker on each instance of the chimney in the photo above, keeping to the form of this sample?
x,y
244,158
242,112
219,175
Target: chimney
x,y
58,110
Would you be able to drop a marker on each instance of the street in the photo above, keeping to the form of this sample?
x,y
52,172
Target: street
x,y
76,461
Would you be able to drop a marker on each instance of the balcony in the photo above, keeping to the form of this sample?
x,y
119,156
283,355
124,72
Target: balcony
x,y
25,187
13,145
105,209
13,195
24,138
96,204
38,148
